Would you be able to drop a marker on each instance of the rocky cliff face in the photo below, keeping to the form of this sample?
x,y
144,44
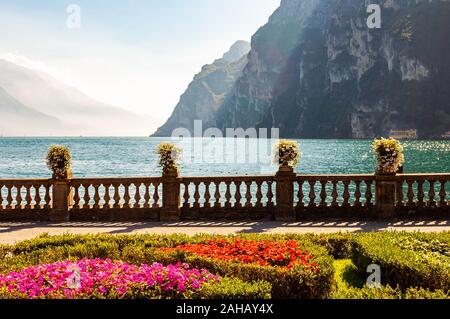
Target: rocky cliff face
x,y
208,91
316,70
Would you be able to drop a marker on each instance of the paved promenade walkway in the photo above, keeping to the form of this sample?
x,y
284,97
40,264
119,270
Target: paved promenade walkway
x,y
14,232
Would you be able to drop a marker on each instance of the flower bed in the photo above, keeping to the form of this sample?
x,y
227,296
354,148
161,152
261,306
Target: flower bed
x,y
285,254
98,278
294,269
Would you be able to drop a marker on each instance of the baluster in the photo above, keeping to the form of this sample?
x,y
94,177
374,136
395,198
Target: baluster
x,y
269,194
1,197
76,197
411,202
87,197
116,196
37,198
147,195
400,195
442,194
420,194
126,196
48,199
357,202
238,195
19,198
300,194
217,195
107,197
248,194
186,196
431,195
334,195
137,196
369,194
228,194
96,196
156,195
346,194
312,193
207,195
196,195
323,194
259,195
28,198
9,198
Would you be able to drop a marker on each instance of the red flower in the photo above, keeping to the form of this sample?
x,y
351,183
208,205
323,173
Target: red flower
x,y
284,254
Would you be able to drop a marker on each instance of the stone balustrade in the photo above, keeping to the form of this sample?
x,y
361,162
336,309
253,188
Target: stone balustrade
x,y
285,196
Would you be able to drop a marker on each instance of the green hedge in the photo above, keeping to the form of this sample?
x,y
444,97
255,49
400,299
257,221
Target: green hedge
x,y
338,245
350,285
234,288
285,283
409,260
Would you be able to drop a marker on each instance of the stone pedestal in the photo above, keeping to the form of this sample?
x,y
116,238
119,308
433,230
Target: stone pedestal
x,y
61,198
170,211
284,178
386,195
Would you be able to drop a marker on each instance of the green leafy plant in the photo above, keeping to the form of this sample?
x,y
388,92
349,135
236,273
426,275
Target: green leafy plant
x,y
287,153
389,155
169,156
407,260
59,161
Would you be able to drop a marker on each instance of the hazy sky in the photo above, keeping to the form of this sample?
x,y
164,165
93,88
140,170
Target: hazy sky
x,y
136,54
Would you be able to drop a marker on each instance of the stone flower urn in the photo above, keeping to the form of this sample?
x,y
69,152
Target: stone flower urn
x,y
66,175
285,168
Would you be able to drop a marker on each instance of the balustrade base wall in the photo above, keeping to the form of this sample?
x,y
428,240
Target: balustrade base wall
x,y
285,196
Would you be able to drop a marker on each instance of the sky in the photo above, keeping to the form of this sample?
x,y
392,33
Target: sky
x,y
136,54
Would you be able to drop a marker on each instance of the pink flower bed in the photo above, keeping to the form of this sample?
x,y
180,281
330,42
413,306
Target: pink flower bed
x,y
98,278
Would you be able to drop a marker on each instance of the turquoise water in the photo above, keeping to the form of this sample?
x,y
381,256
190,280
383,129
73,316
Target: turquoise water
x,y
94,157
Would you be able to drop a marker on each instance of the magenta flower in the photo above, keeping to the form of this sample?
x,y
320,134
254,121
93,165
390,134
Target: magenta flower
x,y
98,278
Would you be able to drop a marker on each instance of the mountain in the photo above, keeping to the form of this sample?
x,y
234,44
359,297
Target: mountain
x,y
21,119
207,91
316,70
52,108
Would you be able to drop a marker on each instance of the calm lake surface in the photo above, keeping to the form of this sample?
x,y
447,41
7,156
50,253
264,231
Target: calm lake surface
x,y
95,157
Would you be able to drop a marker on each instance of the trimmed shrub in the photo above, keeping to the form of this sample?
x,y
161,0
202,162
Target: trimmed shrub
x,y
234,288
409,260
338,245
350,285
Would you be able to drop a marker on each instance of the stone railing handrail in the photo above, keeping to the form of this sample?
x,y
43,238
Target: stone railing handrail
x,y
283,196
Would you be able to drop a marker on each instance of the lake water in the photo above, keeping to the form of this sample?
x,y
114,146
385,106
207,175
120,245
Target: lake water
x,y
95,157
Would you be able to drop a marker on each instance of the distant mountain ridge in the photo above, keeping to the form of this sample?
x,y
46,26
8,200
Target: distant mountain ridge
x,y
34,103
315,70
207,92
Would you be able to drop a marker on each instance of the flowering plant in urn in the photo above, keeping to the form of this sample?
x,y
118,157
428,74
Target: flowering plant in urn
x,y
389,155
58,161
169,156
286,153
